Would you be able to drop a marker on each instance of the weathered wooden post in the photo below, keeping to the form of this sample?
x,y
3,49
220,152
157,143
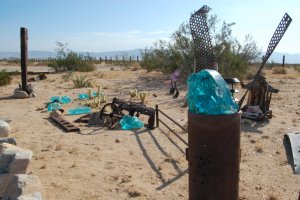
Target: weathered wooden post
x,y
283,60
24,56
137,58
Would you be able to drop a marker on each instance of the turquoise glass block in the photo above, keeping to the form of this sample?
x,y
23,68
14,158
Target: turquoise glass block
x,y
55,99
208,94
53,106
65,99
79,110
131,122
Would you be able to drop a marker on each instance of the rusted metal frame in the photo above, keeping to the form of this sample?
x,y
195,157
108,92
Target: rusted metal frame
x,y
168,127
172,120
180,138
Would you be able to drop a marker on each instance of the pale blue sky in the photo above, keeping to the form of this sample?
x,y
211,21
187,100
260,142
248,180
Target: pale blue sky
x,y
105,25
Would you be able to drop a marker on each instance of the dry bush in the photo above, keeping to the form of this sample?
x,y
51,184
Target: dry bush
x,y
5,79
278,70
272,197
252,72
135,66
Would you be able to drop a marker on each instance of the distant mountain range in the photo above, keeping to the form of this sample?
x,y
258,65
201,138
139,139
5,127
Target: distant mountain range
x,y
275,57
48,54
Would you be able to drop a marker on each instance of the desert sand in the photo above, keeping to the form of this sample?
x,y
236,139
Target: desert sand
x,y
97,163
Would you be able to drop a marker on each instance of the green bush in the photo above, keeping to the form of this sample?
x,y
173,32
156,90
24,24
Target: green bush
x,y
81,81
68,60
4,78
179,53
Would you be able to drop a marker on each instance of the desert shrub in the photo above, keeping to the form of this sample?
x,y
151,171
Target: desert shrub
x,y
232,56
4,78
297,68
81,81
68,76
68,60
278,70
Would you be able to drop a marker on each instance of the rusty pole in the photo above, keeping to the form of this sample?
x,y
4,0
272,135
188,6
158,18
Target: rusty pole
x,y
24,56
214,156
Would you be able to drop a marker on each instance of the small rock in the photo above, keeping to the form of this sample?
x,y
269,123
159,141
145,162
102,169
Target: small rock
x,y
8,140
5,119
19,94
4,129
154,95
33,95
117,140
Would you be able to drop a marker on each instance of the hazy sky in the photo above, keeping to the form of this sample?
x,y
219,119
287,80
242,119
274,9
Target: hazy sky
x,y
105,25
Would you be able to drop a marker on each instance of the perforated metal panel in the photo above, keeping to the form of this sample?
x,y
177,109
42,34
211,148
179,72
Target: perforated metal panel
x,y
279,32
205,57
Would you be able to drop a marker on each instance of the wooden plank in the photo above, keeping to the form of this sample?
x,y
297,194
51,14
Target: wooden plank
x,y
66,125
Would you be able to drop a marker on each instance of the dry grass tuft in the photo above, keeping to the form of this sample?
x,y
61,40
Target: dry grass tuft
x,y
259,149
278,70
272,197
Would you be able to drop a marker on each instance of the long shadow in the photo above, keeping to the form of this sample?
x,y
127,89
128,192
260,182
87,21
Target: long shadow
x,y
93,132
7,98
149,160
172,141
252,126
172,180
152,164
173,162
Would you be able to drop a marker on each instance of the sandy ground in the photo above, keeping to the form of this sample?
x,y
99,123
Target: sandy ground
x,y
98,163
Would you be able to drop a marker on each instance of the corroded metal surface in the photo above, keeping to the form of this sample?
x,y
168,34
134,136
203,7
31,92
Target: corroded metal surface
x,y
294,142
213,156
205,58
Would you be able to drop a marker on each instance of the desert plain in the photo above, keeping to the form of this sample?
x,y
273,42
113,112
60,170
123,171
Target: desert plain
x,y
98,163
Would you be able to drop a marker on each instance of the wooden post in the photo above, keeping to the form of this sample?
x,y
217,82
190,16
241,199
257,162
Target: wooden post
x,y
130,59
137,58
283,60
105,59
24,56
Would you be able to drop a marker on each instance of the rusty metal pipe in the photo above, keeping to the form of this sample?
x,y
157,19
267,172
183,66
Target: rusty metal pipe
x,y
214,156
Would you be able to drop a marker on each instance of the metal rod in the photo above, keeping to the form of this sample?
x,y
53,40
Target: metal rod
x,y
173,121
156,112
24,56
182,140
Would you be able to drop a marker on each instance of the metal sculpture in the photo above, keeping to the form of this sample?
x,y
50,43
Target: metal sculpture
x,y
111,113
205,58
260,92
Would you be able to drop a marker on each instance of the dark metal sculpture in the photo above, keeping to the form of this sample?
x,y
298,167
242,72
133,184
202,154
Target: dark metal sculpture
x,y
260,92
111,113
205,58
